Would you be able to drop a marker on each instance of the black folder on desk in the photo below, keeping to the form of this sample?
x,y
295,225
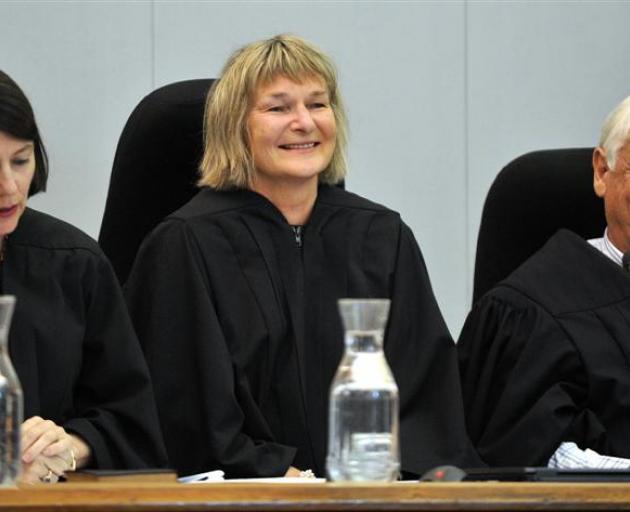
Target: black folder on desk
x,y
533,474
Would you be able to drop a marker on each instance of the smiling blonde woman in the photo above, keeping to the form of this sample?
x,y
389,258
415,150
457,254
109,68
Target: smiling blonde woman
x,y
234,296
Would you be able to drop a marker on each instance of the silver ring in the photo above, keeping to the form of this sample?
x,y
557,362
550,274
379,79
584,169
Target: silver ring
x,y
47,478
73,462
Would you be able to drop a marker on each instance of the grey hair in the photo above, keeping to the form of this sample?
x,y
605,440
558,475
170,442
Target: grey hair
x,y
615,131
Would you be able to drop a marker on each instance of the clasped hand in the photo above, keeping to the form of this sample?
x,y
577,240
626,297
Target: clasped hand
x,y
48,451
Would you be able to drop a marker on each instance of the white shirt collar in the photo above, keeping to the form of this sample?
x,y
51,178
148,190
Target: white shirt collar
x,y
605,246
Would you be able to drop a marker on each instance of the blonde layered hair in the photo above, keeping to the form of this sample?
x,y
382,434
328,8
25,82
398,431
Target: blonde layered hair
x,y
227,160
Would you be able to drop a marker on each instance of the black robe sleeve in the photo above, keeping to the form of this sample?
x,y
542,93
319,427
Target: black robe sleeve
x,y
114,408
73,346
201,400
523,382
423,359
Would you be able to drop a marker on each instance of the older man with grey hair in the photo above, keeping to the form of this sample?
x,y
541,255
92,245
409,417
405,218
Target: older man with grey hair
x,y
545,355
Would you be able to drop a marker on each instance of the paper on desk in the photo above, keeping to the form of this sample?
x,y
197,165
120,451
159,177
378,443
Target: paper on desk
x,y
201,478
218,476
276,480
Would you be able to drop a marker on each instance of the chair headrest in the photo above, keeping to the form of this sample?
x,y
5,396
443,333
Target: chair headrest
x,y
531,198
155,167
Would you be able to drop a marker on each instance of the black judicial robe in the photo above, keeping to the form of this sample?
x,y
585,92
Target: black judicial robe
x,y
545,357
242,334
73,346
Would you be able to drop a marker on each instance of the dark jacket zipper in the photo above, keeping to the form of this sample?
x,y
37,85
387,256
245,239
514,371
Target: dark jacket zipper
x,y
297,233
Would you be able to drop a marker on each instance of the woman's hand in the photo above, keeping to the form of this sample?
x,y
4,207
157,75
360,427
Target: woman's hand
x,y
48,451
292,472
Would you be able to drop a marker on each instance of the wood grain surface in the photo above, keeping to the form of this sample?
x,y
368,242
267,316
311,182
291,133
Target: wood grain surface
x,y
460,496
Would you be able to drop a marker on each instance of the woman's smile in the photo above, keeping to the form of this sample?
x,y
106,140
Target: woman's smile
x,y
8,211
304,145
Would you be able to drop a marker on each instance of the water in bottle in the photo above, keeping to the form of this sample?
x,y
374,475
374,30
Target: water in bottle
x,y
363,419
10,402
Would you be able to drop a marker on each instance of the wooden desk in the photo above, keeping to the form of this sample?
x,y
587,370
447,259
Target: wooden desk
x,y
127,497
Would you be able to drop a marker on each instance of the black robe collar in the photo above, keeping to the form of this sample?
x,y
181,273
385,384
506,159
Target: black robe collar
x,y
211,202
568,275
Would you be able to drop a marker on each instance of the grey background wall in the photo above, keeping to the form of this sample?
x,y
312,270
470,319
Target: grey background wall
x,y
441,95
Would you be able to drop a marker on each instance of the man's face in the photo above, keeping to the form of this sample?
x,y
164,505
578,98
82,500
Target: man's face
x,y
613,185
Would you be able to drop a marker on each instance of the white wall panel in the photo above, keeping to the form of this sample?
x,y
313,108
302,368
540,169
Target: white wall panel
x,y
84,65
541,75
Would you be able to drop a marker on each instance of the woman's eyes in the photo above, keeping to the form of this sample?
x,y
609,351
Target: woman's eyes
x,y
287,108
21,161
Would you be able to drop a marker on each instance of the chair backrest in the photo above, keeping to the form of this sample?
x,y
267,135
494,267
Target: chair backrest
x,y
155,168
531,198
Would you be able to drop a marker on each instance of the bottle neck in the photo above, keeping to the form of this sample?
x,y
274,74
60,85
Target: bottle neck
x,y
364,341
4,341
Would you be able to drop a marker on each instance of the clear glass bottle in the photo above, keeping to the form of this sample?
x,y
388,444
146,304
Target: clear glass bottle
x,y
363,419
10,401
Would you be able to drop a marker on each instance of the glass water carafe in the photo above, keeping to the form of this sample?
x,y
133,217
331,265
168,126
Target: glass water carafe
x,y
363,419
10,401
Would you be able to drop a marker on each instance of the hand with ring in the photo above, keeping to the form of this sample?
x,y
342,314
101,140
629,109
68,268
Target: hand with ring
x,y
48,451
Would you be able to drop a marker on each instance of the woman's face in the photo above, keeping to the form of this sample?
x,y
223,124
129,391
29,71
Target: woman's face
x,y
292,131
17,166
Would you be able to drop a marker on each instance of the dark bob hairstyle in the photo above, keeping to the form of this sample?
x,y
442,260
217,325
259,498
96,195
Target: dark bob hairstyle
x,y
17,119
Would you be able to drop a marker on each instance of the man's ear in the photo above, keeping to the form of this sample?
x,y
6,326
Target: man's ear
x,y
600,168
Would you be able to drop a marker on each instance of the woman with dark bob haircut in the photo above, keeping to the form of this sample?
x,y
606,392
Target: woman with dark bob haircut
x,y
88,400
234,296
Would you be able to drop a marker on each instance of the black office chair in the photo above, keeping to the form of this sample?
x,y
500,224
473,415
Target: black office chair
x,y
155,168
531,198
